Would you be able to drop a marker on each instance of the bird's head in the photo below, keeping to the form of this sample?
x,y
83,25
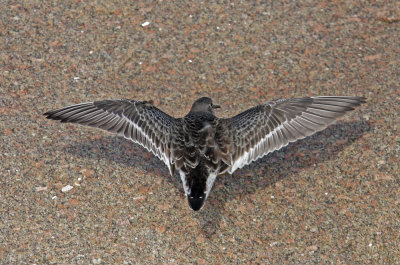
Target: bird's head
x,y
204,104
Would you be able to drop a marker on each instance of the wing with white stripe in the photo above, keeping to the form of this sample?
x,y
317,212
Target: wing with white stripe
x,y
271,126
138,121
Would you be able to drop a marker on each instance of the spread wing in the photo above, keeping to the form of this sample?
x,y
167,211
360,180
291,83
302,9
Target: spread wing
x,y
138,121
271,126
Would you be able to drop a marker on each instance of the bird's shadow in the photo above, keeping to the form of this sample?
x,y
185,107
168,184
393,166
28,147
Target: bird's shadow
x,y
278,165
260,174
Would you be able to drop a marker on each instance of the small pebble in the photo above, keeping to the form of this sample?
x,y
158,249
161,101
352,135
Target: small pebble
x,y
145,24
67,188
41,188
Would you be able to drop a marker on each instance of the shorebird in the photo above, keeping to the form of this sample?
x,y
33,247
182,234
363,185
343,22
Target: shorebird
x,y
201,146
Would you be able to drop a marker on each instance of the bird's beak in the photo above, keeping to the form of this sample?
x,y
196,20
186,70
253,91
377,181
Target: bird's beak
x,y
216,106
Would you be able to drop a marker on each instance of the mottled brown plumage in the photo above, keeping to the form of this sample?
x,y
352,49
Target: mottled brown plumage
x,y
201,146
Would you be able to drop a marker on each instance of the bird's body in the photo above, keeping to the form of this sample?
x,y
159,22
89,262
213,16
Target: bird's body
x,y
201,146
